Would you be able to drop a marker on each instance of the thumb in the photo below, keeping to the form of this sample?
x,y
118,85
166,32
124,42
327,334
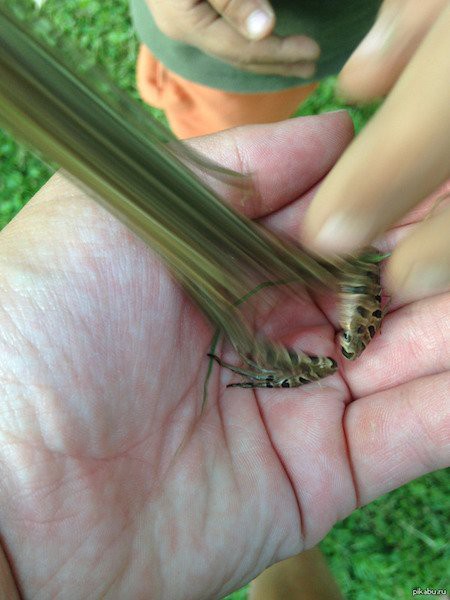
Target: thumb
x,y
254,19
377,62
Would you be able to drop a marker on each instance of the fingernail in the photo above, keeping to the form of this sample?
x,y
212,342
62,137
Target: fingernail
x,y
426,279
258,23
342,233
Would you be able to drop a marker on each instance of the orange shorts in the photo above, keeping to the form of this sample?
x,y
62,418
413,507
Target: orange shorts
x,y
193,109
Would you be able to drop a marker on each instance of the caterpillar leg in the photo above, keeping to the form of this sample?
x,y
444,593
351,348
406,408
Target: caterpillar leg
x,y
280,382
257,367
386,306
264,379
253,384
298,372
243,372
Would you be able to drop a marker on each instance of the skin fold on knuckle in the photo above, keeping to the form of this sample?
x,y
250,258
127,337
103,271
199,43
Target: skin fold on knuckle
x,y
184,22
170,27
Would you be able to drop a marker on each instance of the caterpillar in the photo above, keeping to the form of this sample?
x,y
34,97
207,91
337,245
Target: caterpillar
x,y
360,317
280,367
360,308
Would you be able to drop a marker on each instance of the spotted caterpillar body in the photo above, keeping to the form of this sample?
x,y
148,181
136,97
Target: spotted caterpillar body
x,y
360,304
288,368
360,317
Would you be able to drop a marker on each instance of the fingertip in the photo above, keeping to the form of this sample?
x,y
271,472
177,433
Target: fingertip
x,y
420,264
360,83
330,228
414,280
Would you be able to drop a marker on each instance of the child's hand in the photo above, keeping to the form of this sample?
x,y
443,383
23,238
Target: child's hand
x,y
404,153
238,33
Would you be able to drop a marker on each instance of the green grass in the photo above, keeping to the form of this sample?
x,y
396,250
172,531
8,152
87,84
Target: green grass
x,y
381,551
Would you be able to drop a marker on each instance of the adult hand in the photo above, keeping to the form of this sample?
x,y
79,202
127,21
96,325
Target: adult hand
x,y
403,155
239,33
113,483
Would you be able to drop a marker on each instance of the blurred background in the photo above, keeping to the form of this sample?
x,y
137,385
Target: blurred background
x,y
382,551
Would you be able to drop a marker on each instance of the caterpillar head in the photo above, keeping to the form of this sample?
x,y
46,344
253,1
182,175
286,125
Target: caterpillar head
x,y
353,343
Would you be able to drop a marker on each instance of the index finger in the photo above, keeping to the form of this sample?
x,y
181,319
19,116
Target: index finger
x,y
401,157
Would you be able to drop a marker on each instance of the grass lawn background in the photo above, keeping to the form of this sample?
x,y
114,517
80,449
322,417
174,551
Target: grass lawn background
x,y
383,550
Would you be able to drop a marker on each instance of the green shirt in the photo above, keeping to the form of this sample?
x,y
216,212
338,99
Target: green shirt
x,y
337,25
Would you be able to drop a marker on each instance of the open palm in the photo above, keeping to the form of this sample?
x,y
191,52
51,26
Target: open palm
x,y
113,482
